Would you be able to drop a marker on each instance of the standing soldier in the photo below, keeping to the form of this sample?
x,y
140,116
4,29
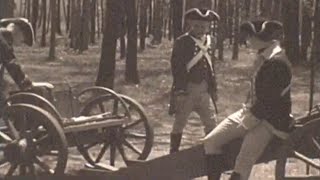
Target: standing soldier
x,y
194,87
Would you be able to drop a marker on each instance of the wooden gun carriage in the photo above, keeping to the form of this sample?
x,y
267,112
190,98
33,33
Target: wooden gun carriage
x,y
36,138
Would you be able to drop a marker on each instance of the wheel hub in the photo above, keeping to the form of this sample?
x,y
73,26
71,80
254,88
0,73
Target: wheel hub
x,y
116,134
17,151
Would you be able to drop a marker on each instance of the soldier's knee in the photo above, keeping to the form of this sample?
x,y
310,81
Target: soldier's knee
x,y
211,146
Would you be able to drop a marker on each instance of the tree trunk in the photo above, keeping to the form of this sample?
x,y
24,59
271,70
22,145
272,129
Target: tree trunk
x,y
68,16
44,23
64,10
58,11
39,23
290,17
266,8
113,18
215,4
276,10
221,28
315,54
123,34
247,5
150,24
143,23
20,8
49,17
235,54
35,14
177,10
103,9
166,18
170,34
53,5
84,32
230,19
123,47
75,24
93,21
24,10
198,4
306,29
28,9
131,74
98,14
254,10
157,22
6,8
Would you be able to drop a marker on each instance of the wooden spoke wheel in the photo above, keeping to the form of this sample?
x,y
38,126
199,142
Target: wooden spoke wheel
x,y
132,141
88,94
301,159
36,100
138,132
32,142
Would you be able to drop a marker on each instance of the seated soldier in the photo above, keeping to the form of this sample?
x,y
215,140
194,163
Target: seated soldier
x,y
266,113
194,86
13,31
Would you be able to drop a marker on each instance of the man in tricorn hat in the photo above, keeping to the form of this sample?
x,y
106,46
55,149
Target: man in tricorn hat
x,y
266,114
13,31
194,85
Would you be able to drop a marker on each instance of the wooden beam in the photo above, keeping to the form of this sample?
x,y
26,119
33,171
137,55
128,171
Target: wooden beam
x,y
185,164
303,178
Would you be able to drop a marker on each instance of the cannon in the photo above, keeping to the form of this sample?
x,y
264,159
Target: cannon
x,y
34,137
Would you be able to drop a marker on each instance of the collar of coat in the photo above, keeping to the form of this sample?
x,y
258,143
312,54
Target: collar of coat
x,y
271,51
202,39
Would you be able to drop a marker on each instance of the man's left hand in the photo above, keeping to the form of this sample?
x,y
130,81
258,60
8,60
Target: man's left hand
x,y
43,89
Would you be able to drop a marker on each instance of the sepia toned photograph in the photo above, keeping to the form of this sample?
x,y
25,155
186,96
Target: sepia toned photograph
x,y
159,89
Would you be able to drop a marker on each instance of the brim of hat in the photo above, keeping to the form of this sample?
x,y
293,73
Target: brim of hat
x,y
260,28
24,26
196,14
207,19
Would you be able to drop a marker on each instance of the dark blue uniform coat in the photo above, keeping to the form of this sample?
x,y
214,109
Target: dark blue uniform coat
x,y
184,50
272,78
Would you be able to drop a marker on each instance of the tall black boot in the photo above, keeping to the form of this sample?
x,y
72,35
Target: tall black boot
x,y
175,140
235,176
214,166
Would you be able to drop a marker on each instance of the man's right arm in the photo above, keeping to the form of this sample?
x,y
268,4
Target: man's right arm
x,y
7,58
178,66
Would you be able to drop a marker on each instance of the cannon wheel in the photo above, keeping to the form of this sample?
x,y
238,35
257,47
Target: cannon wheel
x,y
140,120
135,136
88,94
33,142
303,147
36,100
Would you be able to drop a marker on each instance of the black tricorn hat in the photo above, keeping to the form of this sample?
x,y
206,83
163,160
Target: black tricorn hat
x,y
24,25
201,14
263,29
